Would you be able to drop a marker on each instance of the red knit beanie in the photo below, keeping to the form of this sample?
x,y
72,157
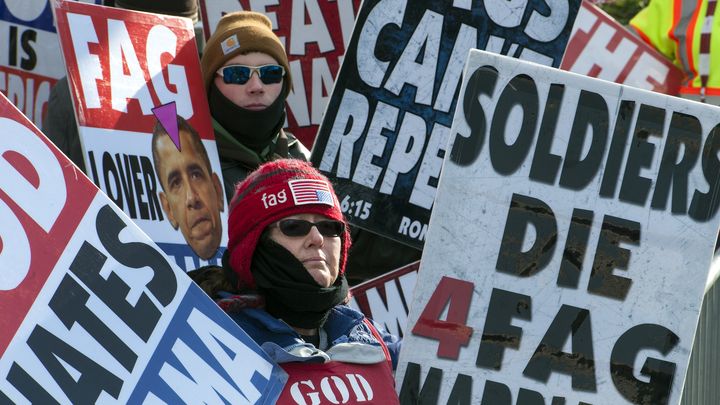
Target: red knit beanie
x,y
274,191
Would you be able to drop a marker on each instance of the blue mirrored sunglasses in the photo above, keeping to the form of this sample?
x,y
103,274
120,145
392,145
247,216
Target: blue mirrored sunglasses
x,y
240,74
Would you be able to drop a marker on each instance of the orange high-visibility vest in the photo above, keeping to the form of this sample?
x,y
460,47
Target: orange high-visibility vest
x,y
675,28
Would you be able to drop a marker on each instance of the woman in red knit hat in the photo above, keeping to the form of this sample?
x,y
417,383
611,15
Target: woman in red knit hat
x,y
283,281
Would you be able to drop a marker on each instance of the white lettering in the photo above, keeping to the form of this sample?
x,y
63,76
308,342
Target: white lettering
x,y
322,84
423,193
596,54
297,99
162,40
124,86
647,73
330,386
302,34
16,90
366,173
346,14
365,386
406,152
239,361
297,395
426,40
328,391
40,193
353,110
506,13
82,33
412,228
404,224
371,69
391,313
15,250
546,28
466,40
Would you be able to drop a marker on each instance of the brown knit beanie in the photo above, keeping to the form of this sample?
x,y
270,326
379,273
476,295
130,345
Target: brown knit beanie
x,y
239,33
180,8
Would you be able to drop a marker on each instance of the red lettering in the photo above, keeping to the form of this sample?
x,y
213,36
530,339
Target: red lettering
x,y
453,332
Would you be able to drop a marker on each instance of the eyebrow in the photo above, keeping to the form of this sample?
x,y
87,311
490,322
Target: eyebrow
x,y
172,175
197,166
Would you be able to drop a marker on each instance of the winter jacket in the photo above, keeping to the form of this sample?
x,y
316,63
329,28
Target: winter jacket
x,y
345,327
237,160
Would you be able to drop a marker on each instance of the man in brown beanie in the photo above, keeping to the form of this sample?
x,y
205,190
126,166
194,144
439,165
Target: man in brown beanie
x,y
248,116
247,79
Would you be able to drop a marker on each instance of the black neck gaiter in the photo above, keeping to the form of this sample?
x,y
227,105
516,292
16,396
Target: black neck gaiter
x,y
254,129
291,294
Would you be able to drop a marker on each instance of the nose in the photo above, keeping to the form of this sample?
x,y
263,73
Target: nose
x,y
192,199
314,238
255,85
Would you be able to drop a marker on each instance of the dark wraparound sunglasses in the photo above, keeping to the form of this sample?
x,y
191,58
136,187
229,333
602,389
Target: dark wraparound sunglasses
x,y
240,74
300,227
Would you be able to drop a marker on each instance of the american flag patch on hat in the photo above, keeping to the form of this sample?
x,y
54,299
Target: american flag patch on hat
x,y
230,44
307,191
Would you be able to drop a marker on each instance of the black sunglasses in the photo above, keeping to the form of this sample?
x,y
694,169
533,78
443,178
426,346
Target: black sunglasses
x,y
300,227
240,74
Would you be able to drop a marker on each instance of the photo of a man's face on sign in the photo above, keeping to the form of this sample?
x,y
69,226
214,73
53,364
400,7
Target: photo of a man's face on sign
x,y
191,195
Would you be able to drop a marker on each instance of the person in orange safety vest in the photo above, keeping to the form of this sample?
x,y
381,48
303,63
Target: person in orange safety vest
x,y
685,32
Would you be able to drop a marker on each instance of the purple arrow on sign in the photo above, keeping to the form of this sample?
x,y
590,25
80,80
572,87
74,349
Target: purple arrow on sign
x,y
166,114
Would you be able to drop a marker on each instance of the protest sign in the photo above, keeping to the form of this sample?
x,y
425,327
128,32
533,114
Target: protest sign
x,y
92,310
31,63
315,34
577,271
135,78
386,299
601,47
388,120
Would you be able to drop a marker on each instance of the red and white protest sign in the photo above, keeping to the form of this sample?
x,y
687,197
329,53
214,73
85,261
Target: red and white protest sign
x,y
30,63
601,47
315,34
131,75
92,310
386,299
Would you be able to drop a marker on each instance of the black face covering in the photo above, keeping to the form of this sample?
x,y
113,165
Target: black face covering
x,y
291,294
254,129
